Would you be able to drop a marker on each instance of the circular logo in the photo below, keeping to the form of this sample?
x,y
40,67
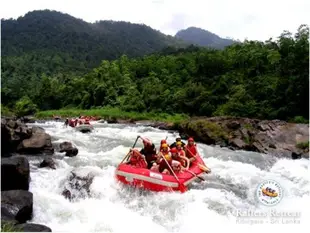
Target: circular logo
x,y
269,192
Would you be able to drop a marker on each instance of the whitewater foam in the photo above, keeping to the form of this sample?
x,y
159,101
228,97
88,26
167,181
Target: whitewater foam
x,y
113,207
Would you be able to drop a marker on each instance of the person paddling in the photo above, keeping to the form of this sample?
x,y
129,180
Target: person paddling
x,y
180,158
191,150
149,151
178,139
137,159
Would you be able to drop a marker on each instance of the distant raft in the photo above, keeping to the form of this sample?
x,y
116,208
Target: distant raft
x,y
84,128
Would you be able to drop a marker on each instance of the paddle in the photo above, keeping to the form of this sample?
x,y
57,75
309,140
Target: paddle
x,y
129,150
202,167
195,174
182,186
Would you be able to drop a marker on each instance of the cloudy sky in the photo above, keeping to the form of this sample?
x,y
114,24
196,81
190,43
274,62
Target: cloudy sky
x,y
238,19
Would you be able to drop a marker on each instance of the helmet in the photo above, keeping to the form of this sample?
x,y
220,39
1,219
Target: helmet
x,y
164,145
190,139
178,139
163,141
179,143
173,150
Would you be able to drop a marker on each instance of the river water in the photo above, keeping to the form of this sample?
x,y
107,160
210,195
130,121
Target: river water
x,y
214,203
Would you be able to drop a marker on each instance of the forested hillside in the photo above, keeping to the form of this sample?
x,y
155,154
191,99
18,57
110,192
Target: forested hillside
x,y
201,37
53,42
253,79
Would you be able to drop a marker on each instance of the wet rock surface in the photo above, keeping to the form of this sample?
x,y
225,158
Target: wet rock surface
x,y
68,148
275,137
17,205
78,186
48,162
18,137
15,173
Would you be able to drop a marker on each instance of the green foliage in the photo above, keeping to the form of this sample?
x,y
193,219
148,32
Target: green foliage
x,y
303,145
114,113
5,111
300,119
7,226
203,127
25,106
267,80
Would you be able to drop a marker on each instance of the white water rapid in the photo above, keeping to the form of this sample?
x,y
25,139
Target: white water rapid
x,y
209,205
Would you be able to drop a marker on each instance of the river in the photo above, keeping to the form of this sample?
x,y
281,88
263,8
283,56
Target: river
x,y
231,187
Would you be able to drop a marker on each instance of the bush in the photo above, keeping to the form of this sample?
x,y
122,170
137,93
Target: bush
x,y
25,106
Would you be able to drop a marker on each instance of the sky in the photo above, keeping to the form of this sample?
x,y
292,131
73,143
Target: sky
x,y
237,19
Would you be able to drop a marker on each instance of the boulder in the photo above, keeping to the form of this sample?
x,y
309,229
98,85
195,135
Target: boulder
x,y
15,173
78,186
37,129
17,204
38,143
12,134
32,227
68,148
48,162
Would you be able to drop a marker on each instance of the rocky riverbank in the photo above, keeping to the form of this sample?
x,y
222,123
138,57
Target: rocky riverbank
x,y
17,142
275,137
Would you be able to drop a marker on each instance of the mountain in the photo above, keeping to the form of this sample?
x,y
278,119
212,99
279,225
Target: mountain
x,y
203,37
63,40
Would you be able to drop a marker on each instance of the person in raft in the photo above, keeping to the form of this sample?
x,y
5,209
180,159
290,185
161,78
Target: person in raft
x,y
178,139
173,158
184,162
137,159
191,150
149,151
180,149
162,142
160,165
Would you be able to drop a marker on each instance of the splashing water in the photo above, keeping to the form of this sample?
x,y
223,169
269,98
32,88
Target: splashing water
x,y
113,207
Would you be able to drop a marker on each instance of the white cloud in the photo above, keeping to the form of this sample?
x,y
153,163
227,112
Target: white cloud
x,y
252,19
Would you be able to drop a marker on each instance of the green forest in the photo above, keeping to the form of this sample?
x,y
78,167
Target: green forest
x,y
266,80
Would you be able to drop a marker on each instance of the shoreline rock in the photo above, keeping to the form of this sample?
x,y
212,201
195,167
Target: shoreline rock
x,y
16,200
275,137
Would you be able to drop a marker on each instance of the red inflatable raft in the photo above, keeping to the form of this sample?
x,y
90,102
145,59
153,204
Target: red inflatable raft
x,y
155,181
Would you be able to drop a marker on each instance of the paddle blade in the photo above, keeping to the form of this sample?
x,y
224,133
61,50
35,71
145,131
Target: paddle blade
x,y
182,188
204,168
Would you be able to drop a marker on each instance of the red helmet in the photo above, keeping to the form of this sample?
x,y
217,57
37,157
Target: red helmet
x,y
163,141
174,150
191,139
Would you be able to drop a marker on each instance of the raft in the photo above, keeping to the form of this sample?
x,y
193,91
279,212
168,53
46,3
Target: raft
x,y
84,128
155,181
269,194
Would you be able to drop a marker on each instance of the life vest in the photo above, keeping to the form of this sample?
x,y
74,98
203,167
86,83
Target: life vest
x,y
162,164
181,152
191,151
71,123
149,152
137,160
